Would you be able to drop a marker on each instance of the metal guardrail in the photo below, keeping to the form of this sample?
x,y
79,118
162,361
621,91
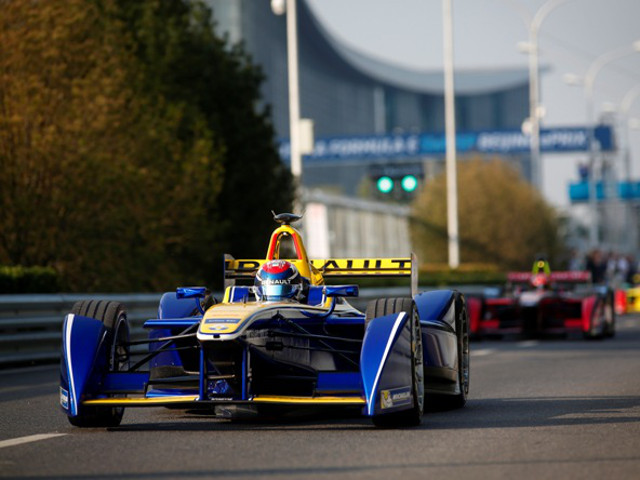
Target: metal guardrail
x,y
31,325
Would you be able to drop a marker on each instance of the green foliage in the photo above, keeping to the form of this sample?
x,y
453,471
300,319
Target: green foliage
x,y
435,275
467,274
502,219
28,280
132,155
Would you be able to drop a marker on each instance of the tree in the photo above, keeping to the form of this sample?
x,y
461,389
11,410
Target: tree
x,y
132,155
502,219
186,65
66,132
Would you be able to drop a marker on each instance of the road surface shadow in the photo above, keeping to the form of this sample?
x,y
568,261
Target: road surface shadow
x,y
393,469
481,413
538,411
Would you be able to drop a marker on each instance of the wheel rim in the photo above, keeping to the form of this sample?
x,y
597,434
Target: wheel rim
x,y
120,355
418,371
608,315
465,356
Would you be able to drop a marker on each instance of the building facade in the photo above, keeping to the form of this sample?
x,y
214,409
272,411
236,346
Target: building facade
x,y
350,95
346,92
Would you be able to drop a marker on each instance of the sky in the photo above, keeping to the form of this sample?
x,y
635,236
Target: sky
x,y
573,35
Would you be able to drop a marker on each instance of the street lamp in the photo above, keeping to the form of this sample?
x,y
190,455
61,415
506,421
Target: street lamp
x,y
450,134
534,22
588,82
625,105
279,7
627,125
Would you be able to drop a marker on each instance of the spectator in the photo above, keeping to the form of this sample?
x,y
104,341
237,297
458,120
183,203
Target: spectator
x,y
622,270
576,263
597,265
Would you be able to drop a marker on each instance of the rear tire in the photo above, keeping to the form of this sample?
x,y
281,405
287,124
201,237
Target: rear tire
x,y
114,317
603,308
464,357
413,416
610,317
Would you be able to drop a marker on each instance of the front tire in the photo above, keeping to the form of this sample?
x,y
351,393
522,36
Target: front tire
x,y
114,317
413,416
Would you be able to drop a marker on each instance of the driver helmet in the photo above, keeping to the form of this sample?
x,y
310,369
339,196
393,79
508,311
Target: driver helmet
x,y
540,280
278,280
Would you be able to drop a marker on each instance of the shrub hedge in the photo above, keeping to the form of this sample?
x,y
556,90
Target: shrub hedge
x,y
465,274
46,280
437,275
28,280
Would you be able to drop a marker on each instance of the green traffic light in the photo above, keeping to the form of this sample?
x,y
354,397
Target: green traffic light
x,y
385,184
409,183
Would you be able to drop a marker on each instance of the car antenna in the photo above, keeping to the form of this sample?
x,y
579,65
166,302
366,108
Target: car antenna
x,y
286,218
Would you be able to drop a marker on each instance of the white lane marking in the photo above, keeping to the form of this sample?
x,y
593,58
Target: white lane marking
x,y
39,387
28,439
482,352
528,343
23,370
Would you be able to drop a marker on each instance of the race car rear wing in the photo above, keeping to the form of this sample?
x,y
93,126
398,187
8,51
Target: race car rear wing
x,y
556,277
332,268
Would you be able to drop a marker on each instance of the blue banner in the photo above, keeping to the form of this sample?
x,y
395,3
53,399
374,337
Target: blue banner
x,y
579,192
367,147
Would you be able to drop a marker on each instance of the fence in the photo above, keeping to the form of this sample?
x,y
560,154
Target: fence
x,y
342,227
31,325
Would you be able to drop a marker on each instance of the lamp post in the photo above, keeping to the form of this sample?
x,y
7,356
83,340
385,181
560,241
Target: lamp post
x,y
589,80
534,23
625,105
630,218
450,133
279,7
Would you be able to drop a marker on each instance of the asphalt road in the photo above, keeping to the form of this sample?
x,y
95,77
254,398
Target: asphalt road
x,y
549,409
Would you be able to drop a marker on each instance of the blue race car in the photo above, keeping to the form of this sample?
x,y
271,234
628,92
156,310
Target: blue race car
x,y
281,341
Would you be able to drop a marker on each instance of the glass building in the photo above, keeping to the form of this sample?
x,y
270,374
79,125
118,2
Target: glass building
x,y
347,93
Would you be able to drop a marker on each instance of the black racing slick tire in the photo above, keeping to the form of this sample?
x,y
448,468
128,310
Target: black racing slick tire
x,y
610,317
114,317
411,417
464,357
604,311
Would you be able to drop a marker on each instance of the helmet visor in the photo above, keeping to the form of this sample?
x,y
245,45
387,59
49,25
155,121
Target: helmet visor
x,y
278,291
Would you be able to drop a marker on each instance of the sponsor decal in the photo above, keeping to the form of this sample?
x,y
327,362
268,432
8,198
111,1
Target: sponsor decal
x,y
242,266
276,281
276,266
363,264
221,320
531,299
397,266
385,399
216,328
64,398
366,147
396,397
219,387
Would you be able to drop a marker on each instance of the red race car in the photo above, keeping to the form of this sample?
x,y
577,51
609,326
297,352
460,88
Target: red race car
x,y
543,303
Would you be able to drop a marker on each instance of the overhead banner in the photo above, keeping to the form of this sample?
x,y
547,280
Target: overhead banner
x,y
579,192
366,147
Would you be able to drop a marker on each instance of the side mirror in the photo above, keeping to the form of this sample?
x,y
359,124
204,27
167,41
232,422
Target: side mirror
x,y
191,292
341,291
